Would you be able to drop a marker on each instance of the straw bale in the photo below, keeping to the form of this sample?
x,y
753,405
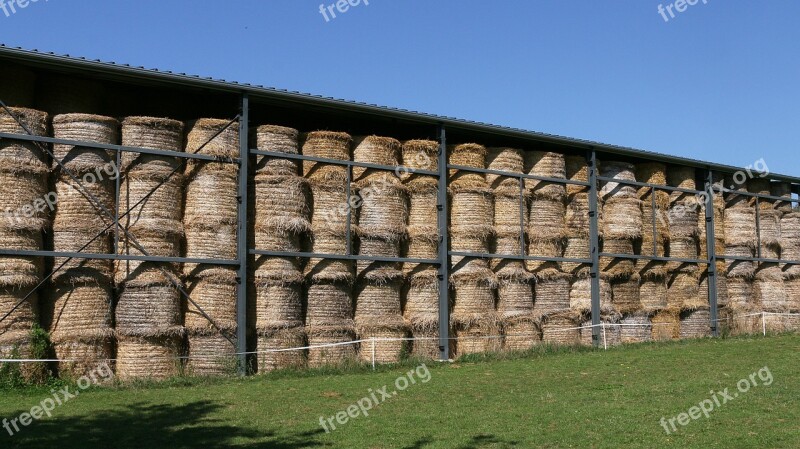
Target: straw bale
x,y
17,85
609,332
419,155
770,227
548,165
683,218
79,310
769,289
471,210
740,227
636,328
561,329
651,268
617,267
695,324
683,177
547,219
374,150
474,297
520,333
577,216
212,190
782,189
505,160
217,242
278,139
210,355
683,290
733,199
329,269
740,268
325,144
81,207
659,239
651,173
577,169
576,248
744,323
164,200
385,351
653,293
201,139
622,171
580,295
722,288
626,294
330,355
217,298
760,186
622,218
479,336
740,293
277,339
157,237
426,342
422,299
683,248
552,294
544,247
467,155
421,245
792,287
152,357
384,209
149,310
84,128
780,323
666,325
514,293
279,304
422,210
378,297
330,304
18,344
329,205
152,133
19,271
790,228
18,155
282,202
24,316
23,199
510,213
84,356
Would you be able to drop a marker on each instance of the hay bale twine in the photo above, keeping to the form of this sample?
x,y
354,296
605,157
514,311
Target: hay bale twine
x,y
323,352
153,133
769,289
695,324
740,227
552,292
547,165
617,267
508,160
279,304
740,268
792,286
683,291
149,304
626,294
24,316
621,171
682,177
23,156
214,291
471,210
374,150
514,292
384,209
547,219
577,169
282,203
467,155
148,357
330,303
278,139
784,190
209,354
329,145
520,333
20,271
622,218
576,248
561,329
636,328
80,310
81,356
478,337
770,233
271,345
84,128
210,188
653,293
666,325
580,295
740,293
17,85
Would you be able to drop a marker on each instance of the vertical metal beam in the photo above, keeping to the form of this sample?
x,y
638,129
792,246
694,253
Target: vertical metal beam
x,y
349,238
116,202
712,252
594,243
444,260
242,251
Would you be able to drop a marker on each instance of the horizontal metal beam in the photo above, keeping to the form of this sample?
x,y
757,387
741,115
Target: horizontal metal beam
x,y
517,257
104,146
654,258
79,255
342,162
758,259
259,252
516,175
648,184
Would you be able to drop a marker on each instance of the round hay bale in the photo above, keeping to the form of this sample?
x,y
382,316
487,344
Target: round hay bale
x,y
388,346
506,243
80,310
84,355
279,304
622,218
622,171
654,242
384,209
790,228
471,211
653,293
280,268
576,248
422,299
330,355
577,169
770,236
23,202
552,294
330,304
24,316
84,128
478,337
548,165
740,293
473,298
212,137
683,290
71,240
695,324
210,354
148,310
760,186
157,237
683,248
722,288
329,269
769,289
780,323
282,203
740,227
153,357
217,242
544,247
279,139
547,219
636,328
19,344
617,267
743,322
577,216
425,344
651,173
19,271
508,215
209,189
22,156
508,160
733,199
419,155
421,245
467,155
153,133
561,329
610,333
740,268
374,150
784,190
164,200
279,339
514,292
792,287
80,207
580,295
17,85
378,298
378,246
651,268
422,206
217,297
683,219
626,294
666,325
682,177
520,333
329,206
325,144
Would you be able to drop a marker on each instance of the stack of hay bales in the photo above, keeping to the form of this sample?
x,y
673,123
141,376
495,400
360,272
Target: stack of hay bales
x,y
622,219
548,211
422,296
79,310
23,178
790,245
473,314
281,220
577,244
515,284
148,314
739,227
771,296
382,219
769,218
329,316
211,186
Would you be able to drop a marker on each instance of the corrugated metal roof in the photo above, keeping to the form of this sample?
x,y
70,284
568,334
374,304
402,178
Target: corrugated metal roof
x,y
259,91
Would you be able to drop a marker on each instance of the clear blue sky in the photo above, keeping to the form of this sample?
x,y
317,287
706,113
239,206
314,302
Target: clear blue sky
x,y
720,81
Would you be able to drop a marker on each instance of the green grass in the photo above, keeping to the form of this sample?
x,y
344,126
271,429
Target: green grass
x,y
547,399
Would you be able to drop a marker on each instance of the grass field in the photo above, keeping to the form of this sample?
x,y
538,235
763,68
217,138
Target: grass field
x,y
547,399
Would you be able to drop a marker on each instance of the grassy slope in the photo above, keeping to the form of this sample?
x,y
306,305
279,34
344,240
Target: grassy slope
x,y
593,399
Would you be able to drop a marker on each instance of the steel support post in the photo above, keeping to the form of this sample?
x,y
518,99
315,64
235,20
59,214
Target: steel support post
x,y
242,252
712,252
444,262
594,242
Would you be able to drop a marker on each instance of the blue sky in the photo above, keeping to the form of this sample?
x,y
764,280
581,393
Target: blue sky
x,y
718,82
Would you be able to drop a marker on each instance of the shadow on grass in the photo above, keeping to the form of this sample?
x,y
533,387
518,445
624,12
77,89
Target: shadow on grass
x,y
153,426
